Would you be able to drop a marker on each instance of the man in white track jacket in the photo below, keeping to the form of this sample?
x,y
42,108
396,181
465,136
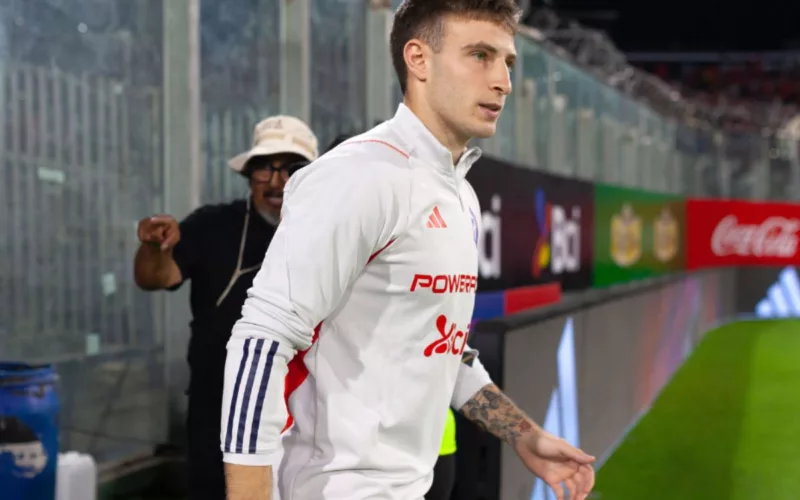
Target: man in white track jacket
x,y
358,318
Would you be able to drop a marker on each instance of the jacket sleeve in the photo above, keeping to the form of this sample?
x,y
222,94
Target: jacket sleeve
x,y
472,377
335,216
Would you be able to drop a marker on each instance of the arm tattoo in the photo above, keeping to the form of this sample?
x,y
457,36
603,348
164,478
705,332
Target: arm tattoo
x,y
493,412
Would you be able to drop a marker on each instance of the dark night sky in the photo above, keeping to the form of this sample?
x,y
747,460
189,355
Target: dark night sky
x,y
692,25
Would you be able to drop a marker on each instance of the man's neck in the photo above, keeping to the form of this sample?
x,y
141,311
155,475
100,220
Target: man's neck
x,y
440,131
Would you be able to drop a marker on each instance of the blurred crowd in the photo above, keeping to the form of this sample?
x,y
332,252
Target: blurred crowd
x,y
745,96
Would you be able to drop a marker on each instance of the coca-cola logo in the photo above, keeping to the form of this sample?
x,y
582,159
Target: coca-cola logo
x,y
774,237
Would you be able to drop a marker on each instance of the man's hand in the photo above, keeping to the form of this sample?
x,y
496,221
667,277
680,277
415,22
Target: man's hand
x,y
154,267
547,456
161,231
556,462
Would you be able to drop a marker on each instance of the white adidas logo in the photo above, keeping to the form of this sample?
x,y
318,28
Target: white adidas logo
x,y
783,297
562,413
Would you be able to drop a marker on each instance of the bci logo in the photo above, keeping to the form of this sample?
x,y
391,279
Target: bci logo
x,y
559,244
558,247
561,418
489,252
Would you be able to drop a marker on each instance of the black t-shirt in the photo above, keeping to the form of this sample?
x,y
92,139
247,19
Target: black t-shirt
x,y
207,254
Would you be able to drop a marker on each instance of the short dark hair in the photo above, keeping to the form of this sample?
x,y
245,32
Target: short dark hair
x,y
424,19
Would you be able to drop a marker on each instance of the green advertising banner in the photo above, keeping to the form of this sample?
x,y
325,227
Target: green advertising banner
x,y
637,234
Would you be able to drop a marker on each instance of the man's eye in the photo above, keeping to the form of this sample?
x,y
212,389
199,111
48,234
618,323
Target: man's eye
x,y
481,56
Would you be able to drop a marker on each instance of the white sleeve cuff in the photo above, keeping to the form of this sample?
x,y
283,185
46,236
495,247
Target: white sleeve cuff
x,y
471,379
255,460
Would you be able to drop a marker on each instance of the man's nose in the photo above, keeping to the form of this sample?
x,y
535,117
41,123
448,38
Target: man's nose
x,y
276,180
502,79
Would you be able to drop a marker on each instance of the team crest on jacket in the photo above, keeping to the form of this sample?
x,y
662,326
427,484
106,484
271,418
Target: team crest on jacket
x,y
474,222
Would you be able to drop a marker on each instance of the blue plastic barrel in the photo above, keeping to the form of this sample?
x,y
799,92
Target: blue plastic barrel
x,y
28,432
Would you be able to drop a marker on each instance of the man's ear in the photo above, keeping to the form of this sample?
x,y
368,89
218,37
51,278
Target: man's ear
x,y
417,56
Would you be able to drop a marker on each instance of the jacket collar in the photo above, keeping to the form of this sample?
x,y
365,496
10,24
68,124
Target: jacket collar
x,y
423,145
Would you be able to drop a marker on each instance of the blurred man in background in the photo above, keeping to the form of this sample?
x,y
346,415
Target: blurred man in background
x,y
220,249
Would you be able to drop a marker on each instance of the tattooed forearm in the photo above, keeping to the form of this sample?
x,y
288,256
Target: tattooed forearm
x,y
491,410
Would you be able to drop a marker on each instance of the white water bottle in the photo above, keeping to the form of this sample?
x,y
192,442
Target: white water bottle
x,y
77,477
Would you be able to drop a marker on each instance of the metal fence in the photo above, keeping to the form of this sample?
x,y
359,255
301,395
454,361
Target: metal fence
x,y
83,89
225,135
79,161
561,118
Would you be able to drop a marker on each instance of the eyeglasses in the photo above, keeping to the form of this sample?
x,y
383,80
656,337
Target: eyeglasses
x,y
267,171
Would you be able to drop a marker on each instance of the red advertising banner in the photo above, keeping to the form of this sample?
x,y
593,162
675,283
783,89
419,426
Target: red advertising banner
x,y
740,233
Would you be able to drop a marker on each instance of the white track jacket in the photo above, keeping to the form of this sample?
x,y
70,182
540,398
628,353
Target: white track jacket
x,y
358,321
